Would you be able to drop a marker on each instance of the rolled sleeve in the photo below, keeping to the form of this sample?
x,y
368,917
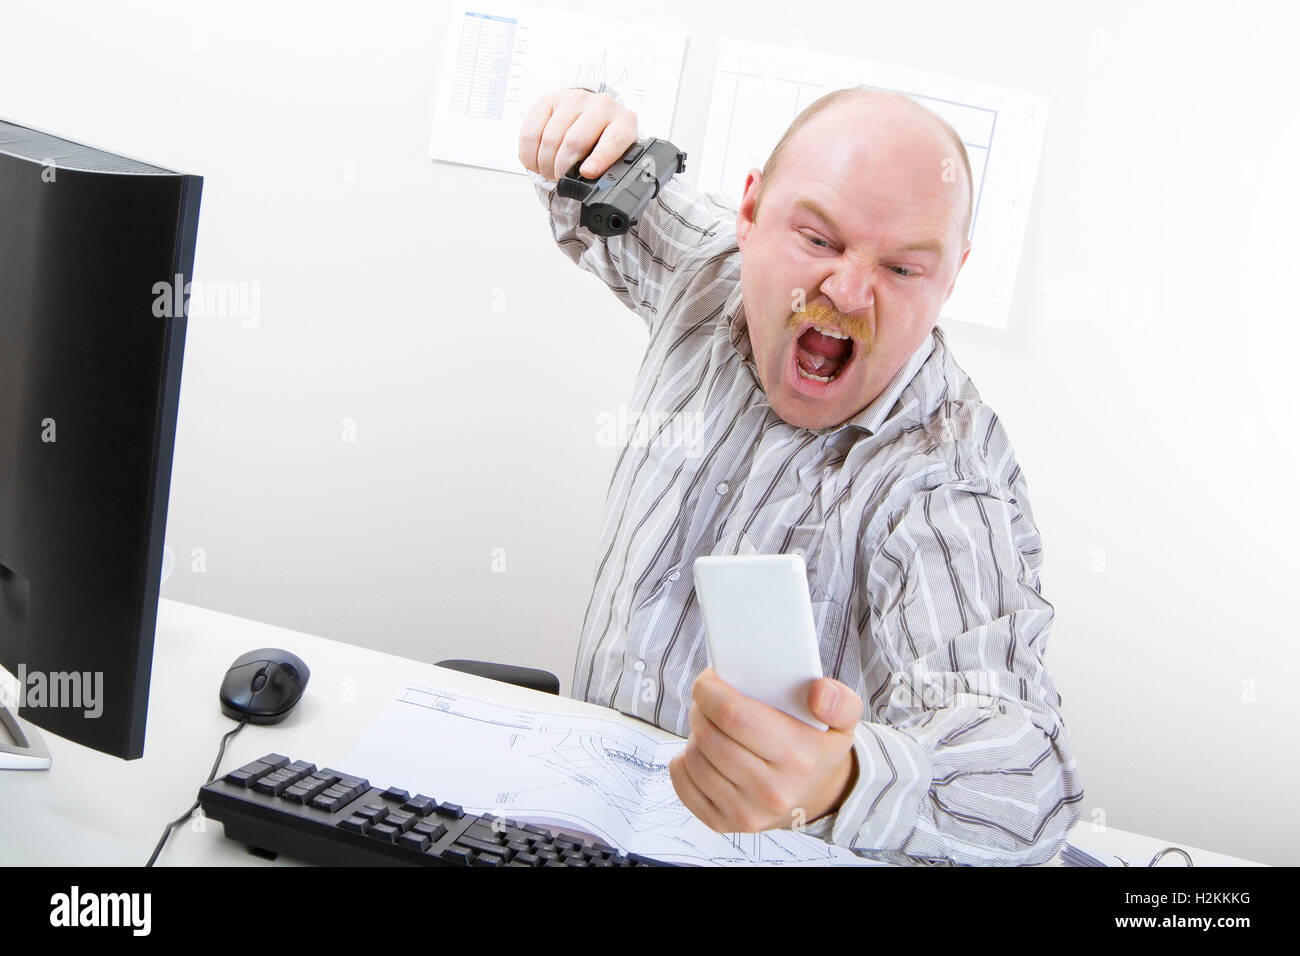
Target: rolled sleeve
x,y
966,759
893,777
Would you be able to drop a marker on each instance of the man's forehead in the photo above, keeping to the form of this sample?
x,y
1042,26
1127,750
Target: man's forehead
x,y
863,152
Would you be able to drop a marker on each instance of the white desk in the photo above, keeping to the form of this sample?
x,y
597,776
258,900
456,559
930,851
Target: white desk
x,y
89,809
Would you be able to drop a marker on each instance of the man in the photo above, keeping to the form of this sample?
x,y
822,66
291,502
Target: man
x,y
814,407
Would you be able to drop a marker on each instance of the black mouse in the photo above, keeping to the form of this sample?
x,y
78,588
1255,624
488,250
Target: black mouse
x,y
263,685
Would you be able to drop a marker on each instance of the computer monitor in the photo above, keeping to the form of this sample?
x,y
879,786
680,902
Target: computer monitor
x,y
96,253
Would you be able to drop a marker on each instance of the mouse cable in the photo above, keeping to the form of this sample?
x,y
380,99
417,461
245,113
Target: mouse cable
x,y
211,776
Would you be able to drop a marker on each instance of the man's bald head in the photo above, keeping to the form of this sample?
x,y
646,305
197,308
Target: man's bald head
x,y
850,102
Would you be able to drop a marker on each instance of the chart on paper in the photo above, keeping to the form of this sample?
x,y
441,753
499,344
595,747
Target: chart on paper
x,y
498,59
596,775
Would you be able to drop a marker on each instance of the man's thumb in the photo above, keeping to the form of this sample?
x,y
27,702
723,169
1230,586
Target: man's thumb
x,y
834,703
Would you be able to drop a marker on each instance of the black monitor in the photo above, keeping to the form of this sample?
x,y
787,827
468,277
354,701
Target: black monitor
x,y
96,253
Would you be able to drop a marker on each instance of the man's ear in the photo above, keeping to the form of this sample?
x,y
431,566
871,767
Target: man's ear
x,y
953,284
745,221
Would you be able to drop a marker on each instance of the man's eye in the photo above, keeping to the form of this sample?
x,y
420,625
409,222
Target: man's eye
x,y
903,271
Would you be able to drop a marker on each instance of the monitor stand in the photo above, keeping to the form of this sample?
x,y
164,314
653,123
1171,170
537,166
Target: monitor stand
x,y
27,751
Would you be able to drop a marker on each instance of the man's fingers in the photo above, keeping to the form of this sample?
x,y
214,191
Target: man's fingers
x,y
723,793
553,139
760,729
614,142
741,767
530,132
565,127
593,137
691,796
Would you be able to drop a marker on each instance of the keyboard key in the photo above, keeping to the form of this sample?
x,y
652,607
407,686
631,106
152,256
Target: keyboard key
x,y
528,858
328,803
360,790
356,824
245,776
415,841
277,782
452,810
305,791
483,831
400,819
275,761
372,812
435,831
382,831
457,855
483,846
420,805
395,795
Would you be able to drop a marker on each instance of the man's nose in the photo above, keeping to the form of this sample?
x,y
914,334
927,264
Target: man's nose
x,y
852,287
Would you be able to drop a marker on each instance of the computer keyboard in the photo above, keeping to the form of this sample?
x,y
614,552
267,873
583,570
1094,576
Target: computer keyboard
x,y
337,819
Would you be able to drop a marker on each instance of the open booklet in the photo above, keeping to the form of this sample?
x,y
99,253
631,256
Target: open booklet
x,y
565,767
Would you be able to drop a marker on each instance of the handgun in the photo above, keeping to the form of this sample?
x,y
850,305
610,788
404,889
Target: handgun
x,y
612,204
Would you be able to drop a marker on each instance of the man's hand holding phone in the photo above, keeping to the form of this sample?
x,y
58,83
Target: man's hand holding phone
x,y
749,767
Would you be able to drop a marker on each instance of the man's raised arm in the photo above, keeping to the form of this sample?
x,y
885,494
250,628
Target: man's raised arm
x,y
565,126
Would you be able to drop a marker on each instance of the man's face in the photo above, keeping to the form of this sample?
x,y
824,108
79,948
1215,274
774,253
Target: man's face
x,y
876,171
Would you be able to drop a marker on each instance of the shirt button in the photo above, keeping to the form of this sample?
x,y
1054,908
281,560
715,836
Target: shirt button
x,y
826,472
674,576
722,487
638,666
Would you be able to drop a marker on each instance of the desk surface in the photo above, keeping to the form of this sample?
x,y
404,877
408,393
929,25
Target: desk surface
x,y
91,809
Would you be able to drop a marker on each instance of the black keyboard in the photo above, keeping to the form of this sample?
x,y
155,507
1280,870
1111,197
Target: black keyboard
x,y
336,819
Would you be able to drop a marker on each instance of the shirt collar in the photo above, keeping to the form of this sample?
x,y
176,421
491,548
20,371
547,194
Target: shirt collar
x,y
870,418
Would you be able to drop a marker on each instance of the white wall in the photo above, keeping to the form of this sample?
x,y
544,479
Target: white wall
x,y
1157,437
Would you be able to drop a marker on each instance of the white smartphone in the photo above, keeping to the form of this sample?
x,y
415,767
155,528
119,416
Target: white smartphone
x,y
759,628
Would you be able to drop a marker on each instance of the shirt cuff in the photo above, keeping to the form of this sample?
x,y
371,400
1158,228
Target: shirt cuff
x,y
894,775
541,181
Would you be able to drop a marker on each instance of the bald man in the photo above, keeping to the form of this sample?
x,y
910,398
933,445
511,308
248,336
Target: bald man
x,y
802,399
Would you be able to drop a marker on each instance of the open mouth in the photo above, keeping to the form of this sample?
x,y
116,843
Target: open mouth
x,y
819,361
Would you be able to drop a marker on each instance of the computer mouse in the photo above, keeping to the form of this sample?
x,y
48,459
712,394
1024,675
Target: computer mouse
x,y
263,685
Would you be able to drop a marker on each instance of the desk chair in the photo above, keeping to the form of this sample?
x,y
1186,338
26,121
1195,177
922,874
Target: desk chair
x,y
530,677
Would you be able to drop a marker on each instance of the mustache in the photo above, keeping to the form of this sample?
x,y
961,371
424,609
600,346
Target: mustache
x,y
826,317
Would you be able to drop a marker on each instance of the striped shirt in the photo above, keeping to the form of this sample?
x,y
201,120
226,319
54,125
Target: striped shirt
x,y
914,522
